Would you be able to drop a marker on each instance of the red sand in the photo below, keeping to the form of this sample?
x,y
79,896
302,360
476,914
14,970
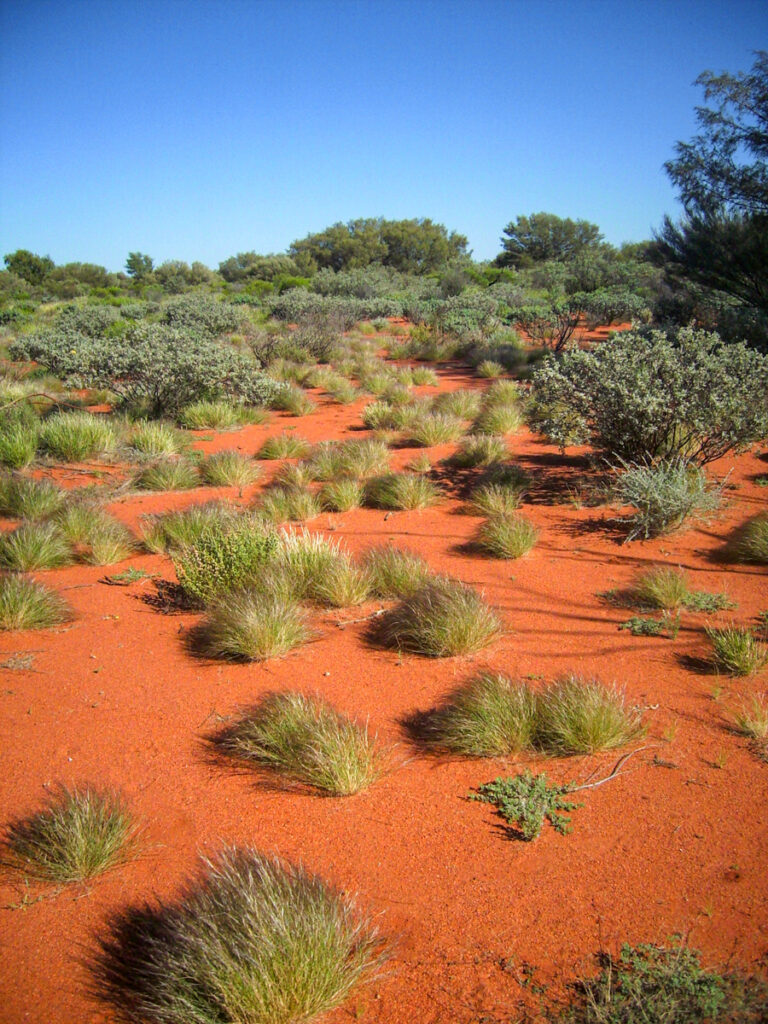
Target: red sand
x,y
675,846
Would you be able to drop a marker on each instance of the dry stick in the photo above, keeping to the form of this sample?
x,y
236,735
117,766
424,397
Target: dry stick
x,y
613,774
364,618
39,394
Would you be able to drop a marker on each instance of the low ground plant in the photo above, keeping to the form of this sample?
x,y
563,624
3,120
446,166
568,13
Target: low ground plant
x,y
26,498
25,604
304,740
507,536
253,939
284,446
219,562
80,833
357,460
441,619
168,475
527,801
401,492
77,436
251,625
343,585
230,468
665,495
489,369
737,651
219,415
394,572
292,400
34,546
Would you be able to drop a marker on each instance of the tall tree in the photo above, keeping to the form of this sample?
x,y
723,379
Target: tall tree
x,y
29,266
139,265
544,236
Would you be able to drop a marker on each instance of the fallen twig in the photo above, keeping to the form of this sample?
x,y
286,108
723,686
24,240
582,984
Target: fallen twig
x,y
612,775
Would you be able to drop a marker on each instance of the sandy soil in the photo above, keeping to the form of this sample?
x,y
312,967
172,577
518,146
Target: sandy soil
x,y
676,845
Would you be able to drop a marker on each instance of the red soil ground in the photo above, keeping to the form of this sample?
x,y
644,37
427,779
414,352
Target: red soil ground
x,y
676,845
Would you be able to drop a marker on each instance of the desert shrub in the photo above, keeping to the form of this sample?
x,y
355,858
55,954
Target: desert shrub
x,y
76,436
342,495
526,800
95,536
252,940
577,716
648,983
220,561
229,468
184,527
80,833
157,365
218,415
284,446
401,491
34,546
495,501
752,545
489,716
304,740
26,498
168,475
394,572
203,313
464,404
25,604
251,625
154,439
18,443
435,428
507,536
737,651
289,505
424,376
665,495
441,619
480,450
646,396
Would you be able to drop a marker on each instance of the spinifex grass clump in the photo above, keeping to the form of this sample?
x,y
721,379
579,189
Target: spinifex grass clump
x,y
219,415
284,446
168,475
442,619
737,651
25,604
34,546
480,450
499,418
394,572
77,436
230,468
342,495
464,404
304,740
490,716
25,498
527,801
401,491
489,369
342,585
752,719
507,536
667,588
332,460
222,561
153,439
753,543
253,940
289,504
18,443
577,716
252,625
494,500
79,834
183,527
435,428
95,536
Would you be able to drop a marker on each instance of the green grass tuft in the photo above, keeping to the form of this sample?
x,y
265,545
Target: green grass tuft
x,y
284,446
34,546
401,491
251,626
25,498
394,572
578,716
737,651
25,604
507,536
230,468
77,436
168,475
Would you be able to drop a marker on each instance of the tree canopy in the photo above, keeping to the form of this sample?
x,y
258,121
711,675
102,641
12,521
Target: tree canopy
x,y
28,265
545,236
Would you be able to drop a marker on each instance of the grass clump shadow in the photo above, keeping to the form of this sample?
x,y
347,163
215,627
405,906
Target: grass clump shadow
x,y
25,604
254,939
304,740
79,834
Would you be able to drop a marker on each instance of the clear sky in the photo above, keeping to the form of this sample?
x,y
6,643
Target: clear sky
x,y
195,129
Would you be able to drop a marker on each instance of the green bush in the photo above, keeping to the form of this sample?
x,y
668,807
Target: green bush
x,y
252,940
665,495
646,396
220,561
304,740
737,651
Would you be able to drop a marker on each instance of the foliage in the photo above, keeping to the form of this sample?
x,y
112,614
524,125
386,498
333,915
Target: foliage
x,y
18,442
441,619
183,527
581,716
289,504
665,496
752,545
153,438
737,651
305,740
77,436
79,834
401,492
527,800
34,546
220,561
481,449
28,266
218,415
648,983
394,572
544,236
342,495
139,265
644,395
25,604
507,536
251,625
639,626
434,428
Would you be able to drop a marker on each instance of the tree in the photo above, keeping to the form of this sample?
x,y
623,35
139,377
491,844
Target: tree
x,y
28,266
251,265
544,236
138,265
722,177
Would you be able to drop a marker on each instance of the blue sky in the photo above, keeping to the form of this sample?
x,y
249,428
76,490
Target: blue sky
x,y
195,129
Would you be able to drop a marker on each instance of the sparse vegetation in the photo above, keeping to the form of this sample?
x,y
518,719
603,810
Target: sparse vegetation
x,y
737,651
507,536
434,428
251,625
342,495
666,495
230,468
527,800
95,536
401,492
25,604
394,572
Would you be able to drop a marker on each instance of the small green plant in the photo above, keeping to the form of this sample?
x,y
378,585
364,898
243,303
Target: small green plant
x,y
752,721
79,834
95,536
423,376
284,446
401,491
183,527
253,940
168,475
705,601
356,460
527,801
154,439
230,468
499,419
251,625
480,450
25,604
394,572
304,740
661,587
578,716
507,536
77,436
18,443
342,585
737,651
442,619
34,546
639,626
222,561
666,495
